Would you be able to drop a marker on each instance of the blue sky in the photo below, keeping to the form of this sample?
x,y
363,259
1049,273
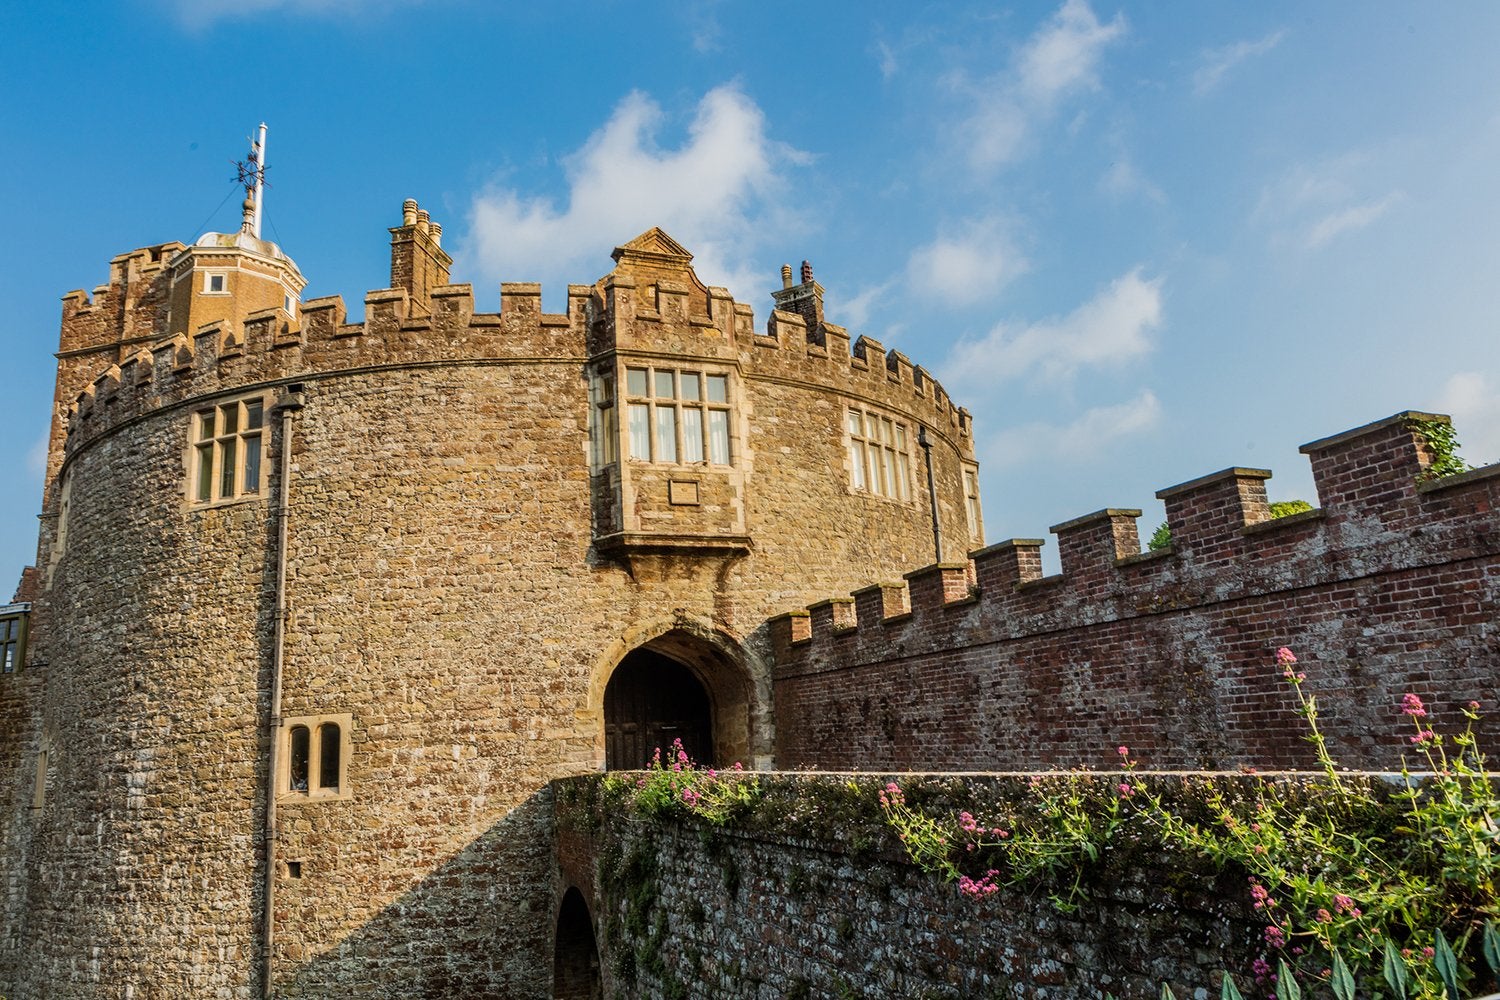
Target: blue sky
x,y
1140,241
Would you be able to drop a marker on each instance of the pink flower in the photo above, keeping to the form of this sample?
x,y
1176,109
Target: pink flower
x,y
1275,937
1428,952
1412,705
1123,751
1425,737
1473,706
1263,900
1323,916
1125,790
1285,657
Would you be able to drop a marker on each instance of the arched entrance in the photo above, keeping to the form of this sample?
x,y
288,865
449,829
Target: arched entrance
x,y
652,700
681,679
575,967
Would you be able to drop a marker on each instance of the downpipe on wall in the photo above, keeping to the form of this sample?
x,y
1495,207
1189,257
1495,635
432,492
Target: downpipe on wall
x,y
937,528
287,405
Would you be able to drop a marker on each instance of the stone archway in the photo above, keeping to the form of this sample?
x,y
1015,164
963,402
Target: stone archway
x,y
683,683
575,965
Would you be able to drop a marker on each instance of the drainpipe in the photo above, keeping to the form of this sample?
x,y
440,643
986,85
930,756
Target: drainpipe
x,y
937,529
289,403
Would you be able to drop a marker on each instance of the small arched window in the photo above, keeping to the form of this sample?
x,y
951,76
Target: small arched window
x,y
330,744
298,763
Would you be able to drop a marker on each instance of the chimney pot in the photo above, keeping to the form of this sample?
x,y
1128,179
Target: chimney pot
x,y
786,276
806,272
409,212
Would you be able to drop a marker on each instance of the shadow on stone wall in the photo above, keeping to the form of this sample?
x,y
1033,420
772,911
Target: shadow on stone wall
x,y
478,927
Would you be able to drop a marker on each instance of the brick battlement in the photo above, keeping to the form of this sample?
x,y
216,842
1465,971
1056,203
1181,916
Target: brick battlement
x,y
126,365
1390,570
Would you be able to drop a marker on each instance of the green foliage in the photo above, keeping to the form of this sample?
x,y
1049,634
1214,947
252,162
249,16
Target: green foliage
x,y
1442,441
1355,885
679,788
1160,538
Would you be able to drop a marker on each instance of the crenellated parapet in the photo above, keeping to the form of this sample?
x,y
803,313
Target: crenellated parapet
x,y
1393,569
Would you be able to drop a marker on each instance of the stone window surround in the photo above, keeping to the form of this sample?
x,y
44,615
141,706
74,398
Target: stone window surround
x,y
971,505
716,430
200,449
314,792
210,278
13,622
878,449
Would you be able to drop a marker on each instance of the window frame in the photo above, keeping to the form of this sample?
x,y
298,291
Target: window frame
x,y
208,283
663,411
972,507
211,449
315,791
13,644
878,456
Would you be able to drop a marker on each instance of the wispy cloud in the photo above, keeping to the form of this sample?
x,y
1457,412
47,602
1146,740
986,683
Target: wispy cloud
x,y
1124,180
1109,329
1083,438
886,58
1061,58
1473,400
36,456
196,14
704,26
964,267
1215,64
715,192
1346,220
1312,205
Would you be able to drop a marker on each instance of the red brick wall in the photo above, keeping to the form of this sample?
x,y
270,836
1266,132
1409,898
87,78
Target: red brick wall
x,y
1392,586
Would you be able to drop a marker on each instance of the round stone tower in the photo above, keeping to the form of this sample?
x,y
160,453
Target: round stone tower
x,y
320,607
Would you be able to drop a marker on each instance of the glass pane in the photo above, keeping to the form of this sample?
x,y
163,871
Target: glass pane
x,y
903,477
901,438
886,437
297,765
640,431
252,464
329,748
718,388
692,434
872,457
890,473
664,385
226,467
718,437
231,418
666,433
690,386
254,415
635,381
205,472
7,629
857,464
854,424
10,660
205,425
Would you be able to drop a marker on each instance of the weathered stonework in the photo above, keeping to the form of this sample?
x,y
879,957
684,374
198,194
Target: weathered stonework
x,y
462,574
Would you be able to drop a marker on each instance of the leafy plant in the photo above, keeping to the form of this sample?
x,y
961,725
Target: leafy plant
x,y
679,787
1162,536
1442,441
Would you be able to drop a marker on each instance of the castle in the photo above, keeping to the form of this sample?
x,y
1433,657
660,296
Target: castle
x,y
320,608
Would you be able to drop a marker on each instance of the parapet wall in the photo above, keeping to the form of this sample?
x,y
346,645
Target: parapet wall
x,y
1391,586
135,368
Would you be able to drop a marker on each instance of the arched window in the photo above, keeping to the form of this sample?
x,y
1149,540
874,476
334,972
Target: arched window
x,y
298,761
330,744
316,752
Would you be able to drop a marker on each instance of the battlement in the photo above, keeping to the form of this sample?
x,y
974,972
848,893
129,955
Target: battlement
x,y
1380,524
652,301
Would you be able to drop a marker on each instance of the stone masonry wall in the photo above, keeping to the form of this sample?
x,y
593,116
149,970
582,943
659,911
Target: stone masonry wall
x,y
1390,587
822,904
444,592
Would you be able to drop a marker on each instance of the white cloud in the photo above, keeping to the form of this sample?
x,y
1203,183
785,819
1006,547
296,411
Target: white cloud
x,y
1312,205
196,14
1064,54
1110,328
1473,402
1061,58
1123,180
715,193
964,267
705,27
1347,220
856,311
1216,63
1085,437
887,59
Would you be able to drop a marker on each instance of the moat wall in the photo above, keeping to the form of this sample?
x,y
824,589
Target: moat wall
x,y
820,902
